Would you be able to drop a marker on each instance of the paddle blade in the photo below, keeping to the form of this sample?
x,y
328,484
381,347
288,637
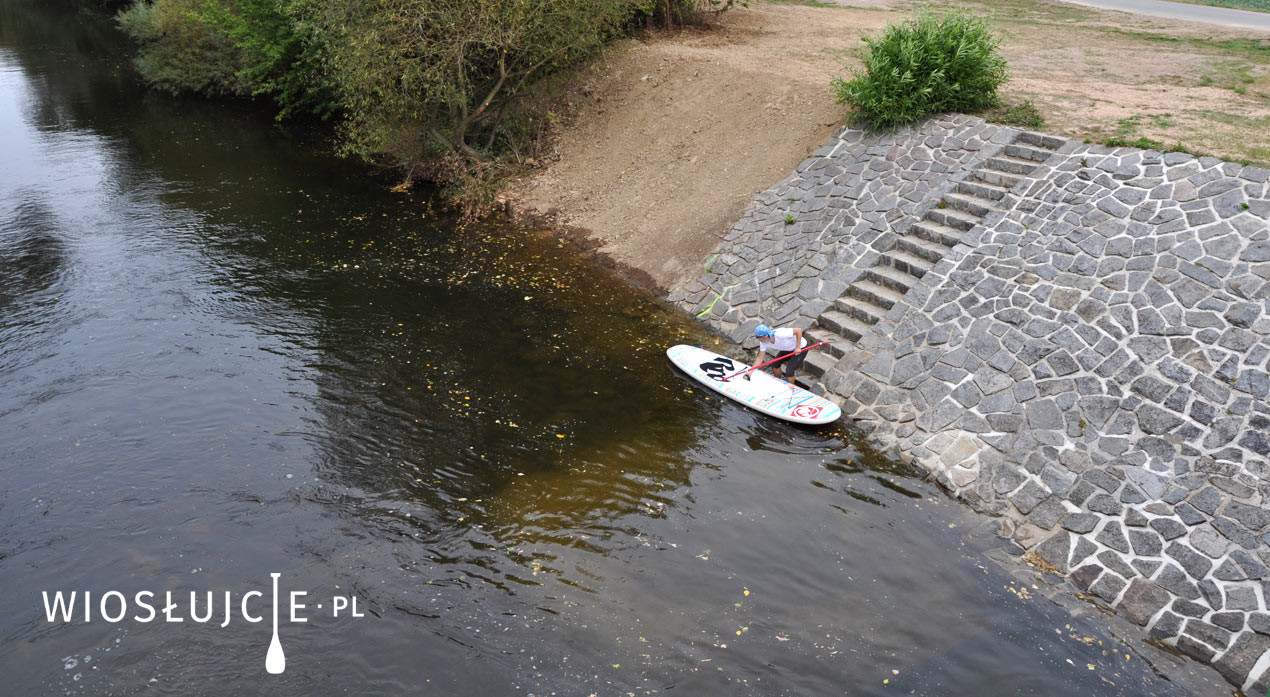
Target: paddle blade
x,y
275,660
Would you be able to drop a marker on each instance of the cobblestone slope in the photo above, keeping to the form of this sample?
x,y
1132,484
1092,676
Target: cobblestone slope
x,y
1072,337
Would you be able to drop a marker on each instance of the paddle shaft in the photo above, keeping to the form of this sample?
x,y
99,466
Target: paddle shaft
x,y
760,365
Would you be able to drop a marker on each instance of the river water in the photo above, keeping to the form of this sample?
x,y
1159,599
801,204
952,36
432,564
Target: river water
x,y
225,355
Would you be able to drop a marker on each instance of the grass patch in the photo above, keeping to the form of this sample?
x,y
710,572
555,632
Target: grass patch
x,y
1023,115
1146,143
1243,48
1233,75
1004,11
811,3
1254,5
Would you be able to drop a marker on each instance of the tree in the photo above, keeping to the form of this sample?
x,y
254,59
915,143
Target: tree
x,y
447,70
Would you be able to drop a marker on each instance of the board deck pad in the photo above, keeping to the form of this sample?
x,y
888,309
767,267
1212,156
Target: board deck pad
x,y
762,392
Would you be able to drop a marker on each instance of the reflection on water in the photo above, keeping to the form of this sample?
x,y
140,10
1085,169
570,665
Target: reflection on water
x,y
224,355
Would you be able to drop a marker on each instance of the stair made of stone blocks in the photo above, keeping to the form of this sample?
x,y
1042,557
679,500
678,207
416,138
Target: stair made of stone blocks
x,y
819,362
1040,140
867,299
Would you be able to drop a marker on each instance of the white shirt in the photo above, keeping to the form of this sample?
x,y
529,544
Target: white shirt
x,y
783,340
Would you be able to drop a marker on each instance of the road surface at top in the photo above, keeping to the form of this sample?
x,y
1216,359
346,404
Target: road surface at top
x,y
1244,19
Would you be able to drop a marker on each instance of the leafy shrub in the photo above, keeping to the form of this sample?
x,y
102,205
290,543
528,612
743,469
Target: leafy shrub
x,y
924,66
280,57
180,52
231,47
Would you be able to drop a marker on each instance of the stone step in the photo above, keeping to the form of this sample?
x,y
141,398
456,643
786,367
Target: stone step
x,y
843,325
900,258
995,178
874,293
1041,140
983,190
1028,152
890,277
837,346
938,237
859,309
819,362
1010,165
953,218
973,205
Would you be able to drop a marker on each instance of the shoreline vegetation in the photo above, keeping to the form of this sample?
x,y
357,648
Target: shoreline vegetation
x,y
650,124
456,92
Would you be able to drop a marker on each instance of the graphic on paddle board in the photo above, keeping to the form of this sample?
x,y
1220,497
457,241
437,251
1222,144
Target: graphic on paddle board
x,y
762,392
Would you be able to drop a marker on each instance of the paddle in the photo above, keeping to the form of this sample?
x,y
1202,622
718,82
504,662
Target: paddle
x,y
275,659
760,365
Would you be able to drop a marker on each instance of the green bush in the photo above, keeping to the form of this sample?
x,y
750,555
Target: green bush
x,y
182,53
231,47
924,66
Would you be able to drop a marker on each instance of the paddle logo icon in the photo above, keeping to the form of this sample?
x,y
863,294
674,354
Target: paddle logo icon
x,y
275,660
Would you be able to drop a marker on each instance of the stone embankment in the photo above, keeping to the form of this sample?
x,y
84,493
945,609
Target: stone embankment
x,y
1073,337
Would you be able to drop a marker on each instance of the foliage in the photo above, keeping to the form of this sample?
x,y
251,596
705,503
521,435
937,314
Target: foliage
x,y
180,52
234,47
280,57
450,66
924,66
668,12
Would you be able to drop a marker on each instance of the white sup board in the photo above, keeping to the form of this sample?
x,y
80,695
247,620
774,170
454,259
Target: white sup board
x,y
762,392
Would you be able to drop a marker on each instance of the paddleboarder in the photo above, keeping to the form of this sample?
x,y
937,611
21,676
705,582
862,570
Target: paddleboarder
x,y
785,345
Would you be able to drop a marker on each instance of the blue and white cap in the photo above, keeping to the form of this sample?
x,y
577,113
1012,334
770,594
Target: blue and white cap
x,y
763,330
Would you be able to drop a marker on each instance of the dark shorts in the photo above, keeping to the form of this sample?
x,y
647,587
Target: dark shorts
x,y
790,364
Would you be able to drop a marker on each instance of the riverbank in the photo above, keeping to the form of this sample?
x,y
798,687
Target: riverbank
x,y
1110,410
678,134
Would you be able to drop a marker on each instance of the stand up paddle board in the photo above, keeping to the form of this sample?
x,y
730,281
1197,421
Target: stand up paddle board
x,y
762,392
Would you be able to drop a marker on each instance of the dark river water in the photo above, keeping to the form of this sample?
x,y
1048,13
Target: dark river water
x,y
225,354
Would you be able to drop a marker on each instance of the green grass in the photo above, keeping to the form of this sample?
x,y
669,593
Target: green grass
x,y
810,3
1233,75
1241,48
1024,115
1128,127
1153,144
1254,5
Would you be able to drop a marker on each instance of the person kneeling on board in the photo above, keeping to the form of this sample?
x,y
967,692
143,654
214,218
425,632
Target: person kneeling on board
x,y
786,343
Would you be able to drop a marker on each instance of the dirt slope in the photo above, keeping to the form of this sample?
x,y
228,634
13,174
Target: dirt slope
x,y
681,133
